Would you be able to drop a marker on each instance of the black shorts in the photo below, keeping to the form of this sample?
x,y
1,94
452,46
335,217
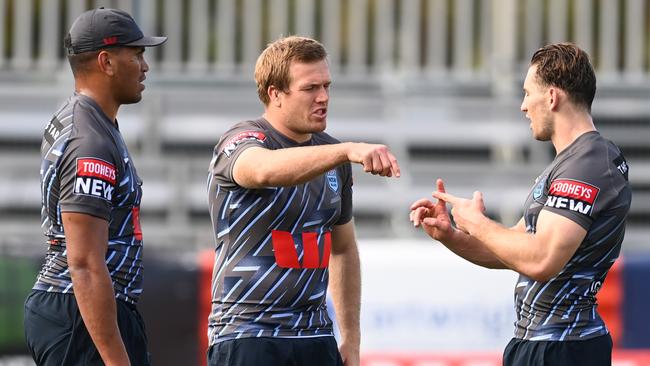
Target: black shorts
x,y
591,352
316,351
56,335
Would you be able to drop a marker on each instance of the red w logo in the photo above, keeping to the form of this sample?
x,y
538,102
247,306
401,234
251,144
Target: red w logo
x,y
286,255
137,229
110,40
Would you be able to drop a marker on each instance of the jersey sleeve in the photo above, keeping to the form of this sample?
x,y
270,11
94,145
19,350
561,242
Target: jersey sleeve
x,y
88,175
346,194
239,138
581,188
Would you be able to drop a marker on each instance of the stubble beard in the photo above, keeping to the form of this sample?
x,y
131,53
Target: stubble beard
x,y
310,127
131,99
547,129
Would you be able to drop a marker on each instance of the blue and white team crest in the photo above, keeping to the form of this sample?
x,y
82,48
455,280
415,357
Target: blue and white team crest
x,y
539,188
332,180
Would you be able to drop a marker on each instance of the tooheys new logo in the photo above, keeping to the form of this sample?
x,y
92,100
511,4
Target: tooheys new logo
x,y
573,195
95,178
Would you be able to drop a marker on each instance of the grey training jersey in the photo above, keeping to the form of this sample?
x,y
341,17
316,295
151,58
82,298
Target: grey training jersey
x,y
272,244
86,168
587,183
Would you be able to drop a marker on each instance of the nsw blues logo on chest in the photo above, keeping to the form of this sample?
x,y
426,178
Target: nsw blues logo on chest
x,y
332,180
538,191
534,203
327,191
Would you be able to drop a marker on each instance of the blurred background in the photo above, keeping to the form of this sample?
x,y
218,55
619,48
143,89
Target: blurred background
x,y
438,81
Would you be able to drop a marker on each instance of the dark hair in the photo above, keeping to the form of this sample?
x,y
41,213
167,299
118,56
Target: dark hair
x,y
272,67
566,66
80,63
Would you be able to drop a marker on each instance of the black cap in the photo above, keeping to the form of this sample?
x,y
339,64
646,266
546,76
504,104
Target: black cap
x,y
103,28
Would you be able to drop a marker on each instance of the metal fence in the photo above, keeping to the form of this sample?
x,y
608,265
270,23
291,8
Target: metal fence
x,y
467,39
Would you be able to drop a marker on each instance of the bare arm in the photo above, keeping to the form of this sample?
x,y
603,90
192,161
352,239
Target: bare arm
x,y
87,241
473,250
477,252
345,288
540,255
520,226
258,167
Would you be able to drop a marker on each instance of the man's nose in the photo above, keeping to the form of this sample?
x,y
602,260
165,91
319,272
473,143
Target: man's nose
x,y
323,95
145,65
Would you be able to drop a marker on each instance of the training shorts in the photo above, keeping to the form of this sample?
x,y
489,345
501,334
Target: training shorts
x,y
314,351
56,334
591,352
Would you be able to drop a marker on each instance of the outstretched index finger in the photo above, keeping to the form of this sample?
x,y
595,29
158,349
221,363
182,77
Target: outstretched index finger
x,y
394,167
450,198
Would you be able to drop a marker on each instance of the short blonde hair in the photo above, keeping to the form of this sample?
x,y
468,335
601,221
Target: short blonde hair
x,y
272,67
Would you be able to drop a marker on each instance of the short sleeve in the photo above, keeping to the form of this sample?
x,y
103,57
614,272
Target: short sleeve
x,y
580,188
346,194
239,138
88,175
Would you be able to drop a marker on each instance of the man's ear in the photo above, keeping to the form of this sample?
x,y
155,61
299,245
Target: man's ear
x,y
554,97
106,62
274,96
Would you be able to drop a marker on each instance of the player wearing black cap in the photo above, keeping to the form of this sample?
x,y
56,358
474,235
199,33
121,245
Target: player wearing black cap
x,y
81,310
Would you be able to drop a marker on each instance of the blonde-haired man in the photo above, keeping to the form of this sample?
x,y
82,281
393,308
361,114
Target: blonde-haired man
x,y
281,206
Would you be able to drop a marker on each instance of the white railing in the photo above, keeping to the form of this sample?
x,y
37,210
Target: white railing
x,y
452,46
470,40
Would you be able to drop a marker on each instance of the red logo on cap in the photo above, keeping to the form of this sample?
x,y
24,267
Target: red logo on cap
x,y
110,40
